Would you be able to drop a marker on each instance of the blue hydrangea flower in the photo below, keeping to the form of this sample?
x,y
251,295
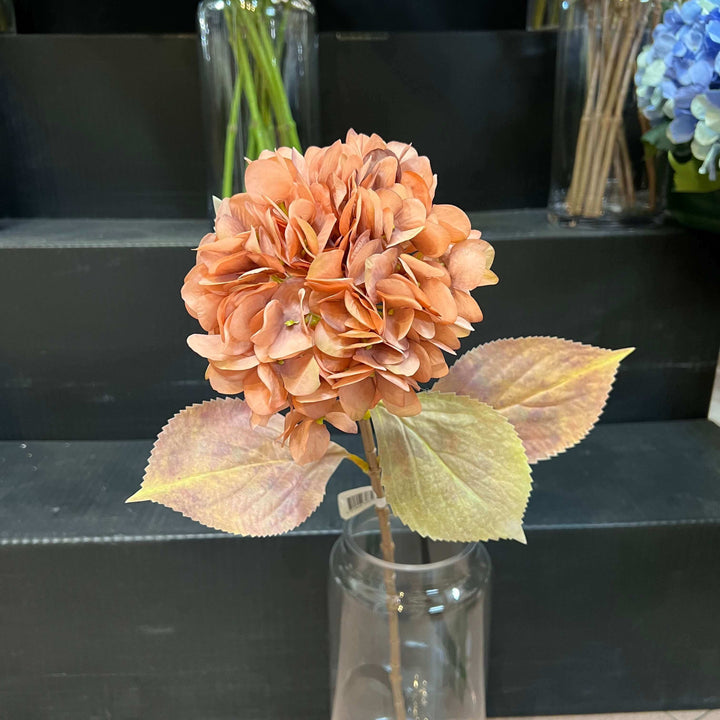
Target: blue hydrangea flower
x,y
706,139
679,67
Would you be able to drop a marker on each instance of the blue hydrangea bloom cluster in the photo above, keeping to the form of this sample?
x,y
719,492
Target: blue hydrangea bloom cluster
x,y
678,78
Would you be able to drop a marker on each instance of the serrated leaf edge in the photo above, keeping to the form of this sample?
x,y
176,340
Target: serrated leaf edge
x,y
625,352
334,447
463,539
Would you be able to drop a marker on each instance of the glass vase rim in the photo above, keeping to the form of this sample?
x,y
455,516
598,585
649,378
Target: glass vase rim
x,y
301,5
349,537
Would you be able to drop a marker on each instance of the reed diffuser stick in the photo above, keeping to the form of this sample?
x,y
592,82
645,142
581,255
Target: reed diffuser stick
x,y
638,19
614,30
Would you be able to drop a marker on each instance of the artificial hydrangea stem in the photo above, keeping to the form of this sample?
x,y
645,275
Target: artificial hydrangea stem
x,y
244,84
388,552
250,91
231,139
263,50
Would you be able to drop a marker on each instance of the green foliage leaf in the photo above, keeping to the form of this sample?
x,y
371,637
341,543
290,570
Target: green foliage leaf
x,y
457,471
687,177
551,390
658,138
211,465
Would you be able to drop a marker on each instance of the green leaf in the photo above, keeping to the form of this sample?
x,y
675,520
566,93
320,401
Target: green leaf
x,y
457,471
211,465
658,138
687,177
551,390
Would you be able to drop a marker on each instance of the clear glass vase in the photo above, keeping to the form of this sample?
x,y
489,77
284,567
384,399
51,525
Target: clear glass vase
x,y
258,70
543,14
440,601
601,170
7,17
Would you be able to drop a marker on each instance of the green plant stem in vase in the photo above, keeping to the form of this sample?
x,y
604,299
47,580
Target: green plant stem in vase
x,y
258,71
259,81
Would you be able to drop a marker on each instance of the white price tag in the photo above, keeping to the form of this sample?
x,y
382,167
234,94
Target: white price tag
x,y
353,502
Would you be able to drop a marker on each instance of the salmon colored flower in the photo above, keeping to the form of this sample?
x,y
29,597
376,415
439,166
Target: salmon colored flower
x,y
334,282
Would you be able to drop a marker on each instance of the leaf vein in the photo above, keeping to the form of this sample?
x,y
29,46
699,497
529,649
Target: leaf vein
x,y
571,378
190,479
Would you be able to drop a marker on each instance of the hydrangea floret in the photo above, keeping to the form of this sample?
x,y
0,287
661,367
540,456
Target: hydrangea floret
x,y
678,83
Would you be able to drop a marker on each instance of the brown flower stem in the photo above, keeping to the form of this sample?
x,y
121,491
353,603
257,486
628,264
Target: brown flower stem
x,y
573,192
539,14
610,72
584,153
388,552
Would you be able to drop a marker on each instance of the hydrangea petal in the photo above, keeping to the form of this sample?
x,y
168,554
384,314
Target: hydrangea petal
x,y
701,73
269,177
704,135
690,11
681,129
713,30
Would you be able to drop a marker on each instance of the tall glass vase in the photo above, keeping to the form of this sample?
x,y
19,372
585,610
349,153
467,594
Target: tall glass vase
x,y
543,14
439,606
601,170
7,17
258,61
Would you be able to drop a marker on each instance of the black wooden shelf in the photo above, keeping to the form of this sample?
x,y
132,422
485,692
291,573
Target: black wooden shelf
x,y
94,344
136,611
622,475
74,233
610,606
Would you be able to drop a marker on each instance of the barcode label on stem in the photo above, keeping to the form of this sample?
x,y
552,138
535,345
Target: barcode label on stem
x,y
353,502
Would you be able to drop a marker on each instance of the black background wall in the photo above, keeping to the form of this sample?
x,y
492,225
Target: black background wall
x,y
111,126
178,16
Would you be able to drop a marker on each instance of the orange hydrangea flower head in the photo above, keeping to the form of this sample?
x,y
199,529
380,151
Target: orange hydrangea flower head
x,y
332,284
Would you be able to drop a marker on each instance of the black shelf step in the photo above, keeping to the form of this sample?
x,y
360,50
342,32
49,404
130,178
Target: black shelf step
x,y
94,327
135,611
621,475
